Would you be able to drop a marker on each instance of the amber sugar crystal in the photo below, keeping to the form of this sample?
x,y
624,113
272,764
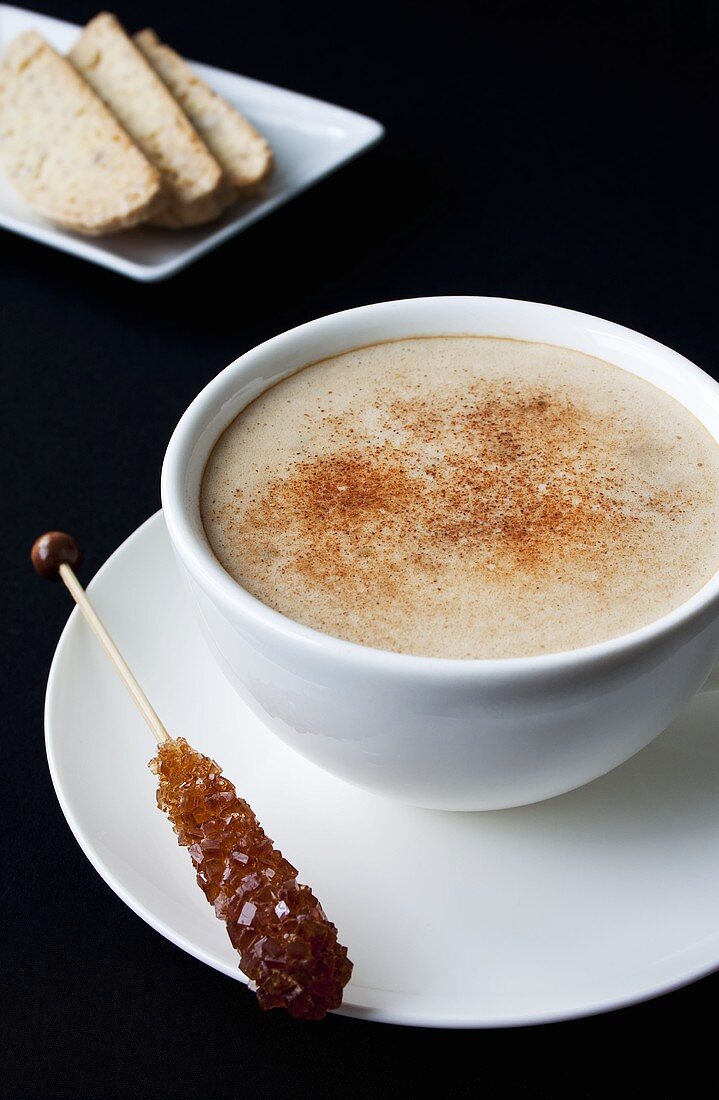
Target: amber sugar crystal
x,y
287,946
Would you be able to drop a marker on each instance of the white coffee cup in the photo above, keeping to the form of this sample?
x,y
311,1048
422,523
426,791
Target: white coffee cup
x,y
441,732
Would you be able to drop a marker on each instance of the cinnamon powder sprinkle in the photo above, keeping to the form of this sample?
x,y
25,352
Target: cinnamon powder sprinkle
x,y
465,497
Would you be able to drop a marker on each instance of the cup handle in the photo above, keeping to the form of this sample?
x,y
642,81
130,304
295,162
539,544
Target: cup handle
x,y
712,681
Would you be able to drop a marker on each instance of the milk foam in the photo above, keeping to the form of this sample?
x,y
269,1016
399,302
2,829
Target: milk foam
x,y
466,497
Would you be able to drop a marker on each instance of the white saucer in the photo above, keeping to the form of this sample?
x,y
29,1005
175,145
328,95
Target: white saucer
x,y
310,138
597,899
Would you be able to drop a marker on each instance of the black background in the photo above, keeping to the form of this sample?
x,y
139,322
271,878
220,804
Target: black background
x,y
561,154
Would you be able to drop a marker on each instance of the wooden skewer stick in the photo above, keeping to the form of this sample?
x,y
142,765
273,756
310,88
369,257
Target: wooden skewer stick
x,y
54,555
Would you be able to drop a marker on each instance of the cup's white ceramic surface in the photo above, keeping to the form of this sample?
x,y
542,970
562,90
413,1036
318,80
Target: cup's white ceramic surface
x,y
443,733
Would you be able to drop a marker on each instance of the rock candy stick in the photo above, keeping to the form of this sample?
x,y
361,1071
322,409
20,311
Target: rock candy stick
x,y
287,946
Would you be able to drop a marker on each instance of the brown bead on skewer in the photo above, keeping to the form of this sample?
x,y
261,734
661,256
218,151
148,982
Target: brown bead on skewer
x,y
53,549
287,946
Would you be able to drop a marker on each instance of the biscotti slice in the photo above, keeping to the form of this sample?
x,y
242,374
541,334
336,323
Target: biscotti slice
x,y
180,215
243,153
128,84
63,150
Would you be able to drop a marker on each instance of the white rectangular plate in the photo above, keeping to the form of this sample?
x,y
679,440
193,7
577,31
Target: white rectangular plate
x,y
310,140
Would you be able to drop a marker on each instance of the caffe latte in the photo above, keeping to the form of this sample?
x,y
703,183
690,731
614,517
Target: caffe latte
x,y
466,497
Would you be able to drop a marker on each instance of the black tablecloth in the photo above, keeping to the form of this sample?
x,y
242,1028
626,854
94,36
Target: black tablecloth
x,y
555,154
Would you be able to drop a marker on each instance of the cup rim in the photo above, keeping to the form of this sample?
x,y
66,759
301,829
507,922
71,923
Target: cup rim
x,y
195,551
